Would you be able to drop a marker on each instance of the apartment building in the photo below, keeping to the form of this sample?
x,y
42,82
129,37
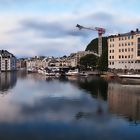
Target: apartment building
x,y
124,51
7,61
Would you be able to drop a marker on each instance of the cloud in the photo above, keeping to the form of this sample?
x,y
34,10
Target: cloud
x,y
42,28
51,29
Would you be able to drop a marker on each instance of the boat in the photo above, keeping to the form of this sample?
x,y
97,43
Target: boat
x,y
83,74
73,73
129,78
134,76
50,73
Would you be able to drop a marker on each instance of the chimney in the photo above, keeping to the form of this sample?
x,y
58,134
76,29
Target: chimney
x,y
137,30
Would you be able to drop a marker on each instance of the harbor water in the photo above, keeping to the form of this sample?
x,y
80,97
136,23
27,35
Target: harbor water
x,y
36,107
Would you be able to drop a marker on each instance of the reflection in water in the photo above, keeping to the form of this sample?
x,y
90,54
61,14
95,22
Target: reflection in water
x,y
66,109
124,100
95,86
7,81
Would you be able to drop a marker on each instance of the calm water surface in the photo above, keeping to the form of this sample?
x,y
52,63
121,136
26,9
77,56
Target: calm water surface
x,y
39,108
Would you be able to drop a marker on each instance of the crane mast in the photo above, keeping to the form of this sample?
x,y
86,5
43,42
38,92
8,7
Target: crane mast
x,y
100,32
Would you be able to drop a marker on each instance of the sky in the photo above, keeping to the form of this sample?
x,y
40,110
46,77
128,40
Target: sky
x,y
47,27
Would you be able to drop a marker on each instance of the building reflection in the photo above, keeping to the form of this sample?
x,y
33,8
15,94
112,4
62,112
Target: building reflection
x,y
124,100
7,81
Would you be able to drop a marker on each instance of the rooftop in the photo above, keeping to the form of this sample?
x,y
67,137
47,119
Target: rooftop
x,y
126,34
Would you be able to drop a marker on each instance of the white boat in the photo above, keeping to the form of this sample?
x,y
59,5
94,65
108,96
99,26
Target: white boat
x,y
72,73
136,76
49,73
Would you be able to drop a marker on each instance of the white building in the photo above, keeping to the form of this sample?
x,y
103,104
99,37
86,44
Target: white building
x,y
7,61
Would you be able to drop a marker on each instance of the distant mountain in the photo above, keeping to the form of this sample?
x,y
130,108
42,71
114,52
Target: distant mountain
x,y
93,45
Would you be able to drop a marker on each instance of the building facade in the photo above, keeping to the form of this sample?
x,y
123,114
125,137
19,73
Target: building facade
x,y
124,51
7,61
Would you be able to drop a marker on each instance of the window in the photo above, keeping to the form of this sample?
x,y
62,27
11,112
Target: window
x,y
132,43
125,56
128,43
122,56
119,50
112,63
119,56
129,49
138,52
132,37
112,57
122,50
132,49
125,50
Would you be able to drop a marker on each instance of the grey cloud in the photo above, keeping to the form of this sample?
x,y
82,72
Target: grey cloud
x,y
51,29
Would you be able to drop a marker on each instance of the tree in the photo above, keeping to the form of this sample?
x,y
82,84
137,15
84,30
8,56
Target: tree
x,y
103,60
88,61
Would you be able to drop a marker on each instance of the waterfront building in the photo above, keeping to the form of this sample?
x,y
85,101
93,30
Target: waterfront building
x,y
7,61
34,63
21,63
124,51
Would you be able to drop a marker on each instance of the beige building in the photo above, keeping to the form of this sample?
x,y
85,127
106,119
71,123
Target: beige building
x,y
124,51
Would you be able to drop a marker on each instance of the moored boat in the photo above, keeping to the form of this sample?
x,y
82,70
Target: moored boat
x,y
73,73
134,76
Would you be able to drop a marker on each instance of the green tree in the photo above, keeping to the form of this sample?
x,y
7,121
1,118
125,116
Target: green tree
x,y
103,60
88,61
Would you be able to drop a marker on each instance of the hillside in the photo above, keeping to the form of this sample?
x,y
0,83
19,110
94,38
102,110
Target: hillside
x,y
93,45
103,60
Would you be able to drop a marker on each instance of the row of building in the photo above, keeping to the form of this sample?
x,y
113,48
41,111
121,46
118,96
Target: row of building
x,y
123,54
43,62
8,61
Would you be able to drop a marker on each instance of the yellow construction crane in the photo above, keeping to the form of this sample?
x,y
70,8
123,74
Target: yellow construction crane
x,y
100,32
